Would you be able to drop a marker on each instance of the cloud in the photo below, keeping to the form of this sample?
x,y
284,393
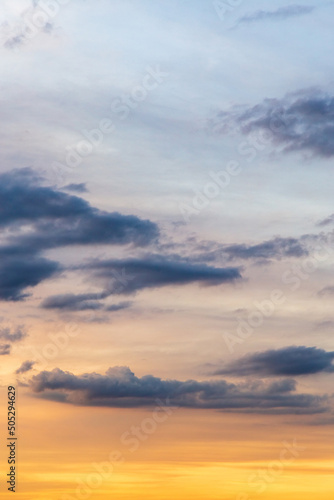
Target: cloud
x,y
40,218
20,272
10,338
119,387
60,219
118,307
327,221
131,275
276,15
72,302
76,188
276,248
36,218
25,199
17,336
289,361
82,302
328,290
26,26
5,349
301,121
25,367
92,228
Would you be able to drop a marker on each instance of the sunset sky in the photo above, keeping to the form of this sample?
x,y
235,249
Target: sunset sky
x,y
167,248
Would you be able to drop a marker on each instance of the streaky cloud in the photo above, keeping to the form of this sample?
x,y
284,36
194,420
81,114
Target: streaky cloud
x,y
131,275
288,361
279,14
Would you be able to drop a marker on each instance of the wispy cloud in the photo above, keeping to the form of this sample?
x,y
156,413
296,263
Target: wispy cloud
x,y
82,302
10,337
25,367
276,15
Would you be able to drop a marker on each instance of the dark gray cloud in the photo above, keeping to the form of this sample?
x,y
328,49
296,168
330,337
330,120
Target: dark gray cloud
x,y
76,188
36,218
289,361
25,367
61,219
119,387
93,228
18,273
72,302
300,121
82,302
41,217
276,15
131,275
25,200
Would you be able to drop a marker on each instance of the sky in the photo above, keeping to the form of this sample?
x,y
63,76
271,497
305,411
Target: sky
x,y
167,230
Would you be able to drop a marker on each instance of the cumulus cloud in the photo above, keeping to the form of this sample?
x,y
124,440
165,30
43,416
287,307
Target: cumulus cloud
x,y
300,121
120,387
289,361
276,15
